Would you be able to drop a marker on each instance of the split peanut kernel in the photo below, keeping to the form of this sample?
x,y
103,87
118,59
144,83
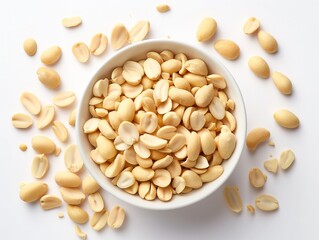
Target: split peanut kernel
x,y
168,125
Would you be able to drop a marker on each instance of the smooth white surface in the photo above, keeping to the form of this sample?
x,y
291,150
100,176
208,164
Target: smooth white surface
x,y
136,52
293,23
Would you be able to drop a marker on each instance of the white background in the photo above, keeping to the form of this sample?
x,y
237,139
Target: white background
x,y
296,27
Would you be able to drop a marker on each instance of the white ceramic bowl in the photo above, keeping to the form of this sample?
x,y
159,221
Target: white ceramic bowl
x,y
138,51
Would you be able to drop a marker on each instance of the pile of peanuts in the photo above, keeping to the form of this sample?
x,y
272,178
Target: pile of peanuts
x,y
161,126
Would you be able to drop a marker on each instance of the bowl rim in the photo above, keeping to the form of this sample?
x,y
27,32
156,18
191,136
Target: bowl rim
x,y
88,163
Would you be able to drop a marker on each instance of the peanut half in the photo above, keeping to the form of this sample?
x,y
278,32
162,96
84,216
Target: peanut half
x,y
233,199
251,25
255,137
31,103
71,22
266,203
119,36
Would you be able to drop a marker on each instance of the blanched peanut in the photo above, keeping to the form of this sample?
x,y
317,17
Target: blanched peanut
x,y
96,202
162,8
267,42
72,196
212,173
153,142
193,146
226,144
195,80
286,119
49,77
251,25
116,217
287,157
42,144
31,103
206,29
257,178
67,179
196,66
164,194
149,122
139,31
163,163
31,192
162,178
48,202
259,67
207,142
77,214
282,83
105,147
255,137
266,203
51,55
192,179
72,158
228,49
204,95
171,119
126,110
89,185
233,199
119,36
30,46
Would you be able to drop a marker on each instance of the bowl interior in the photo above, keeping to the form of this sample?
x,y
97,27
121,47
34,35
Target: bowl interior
x,y
137,52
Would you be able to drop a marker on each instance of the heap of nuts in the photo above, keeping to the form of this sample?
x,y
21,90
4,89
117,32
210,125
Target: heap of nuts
x,y
161,126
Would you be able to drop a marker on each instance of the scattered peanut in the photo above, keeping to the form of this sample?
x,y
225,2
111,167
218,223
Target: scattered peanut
x,y
49,77
71,22
255,137
51,55
271,165
287,157
139,31
30,46
81,52
259,67
21,120
267,42
48,202
31,192
31,103
119,36
282,83
266,203
23,147
227,48
162,8
286,119
98,44
257,178
233,199
206,29
251,25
